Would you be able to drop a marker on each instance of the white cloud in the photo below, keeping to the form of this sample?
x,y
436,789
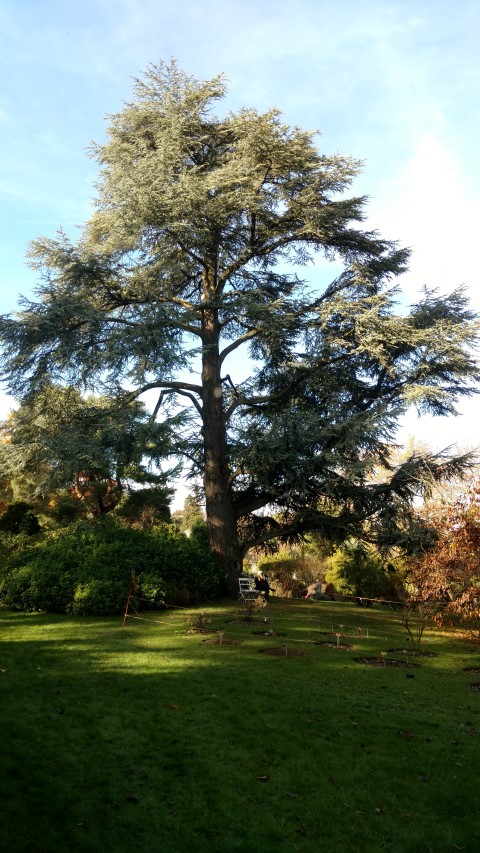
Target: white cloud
x,y
460,433
432,211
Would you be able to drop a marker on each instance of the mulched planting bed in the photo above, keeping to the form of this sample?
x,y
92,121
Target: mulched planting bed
x,y
474,685
201,631
222,641
268,634
391,662
473,669
344,646
413,653
281,652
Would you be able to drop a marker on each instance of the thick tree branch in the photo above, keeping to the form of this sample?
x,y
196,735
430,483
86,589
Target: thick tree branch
x,y
248,336
248,505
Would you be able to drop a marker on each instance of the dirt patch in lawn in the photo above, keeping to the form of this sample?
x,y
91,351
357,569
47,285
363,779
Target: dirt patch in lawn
x,y
391,662
222,641
474,685
331,645
475,670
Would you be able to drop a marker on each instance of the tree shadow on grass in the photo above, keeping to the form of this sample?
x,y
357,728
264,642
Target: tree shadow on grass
x,y
148,739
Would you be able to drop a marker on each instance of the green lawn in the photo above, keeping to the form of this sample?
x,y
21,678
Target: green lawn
x,y
151,739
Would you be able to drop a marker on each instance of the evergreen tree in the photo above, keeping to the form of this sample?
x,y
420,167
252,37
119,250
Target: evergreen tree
x,y
92,448
192,510
194,257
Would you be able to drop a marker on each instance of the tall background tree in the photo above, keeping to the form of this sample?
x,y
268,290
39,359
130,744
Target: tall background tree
x,y
192,510
190,280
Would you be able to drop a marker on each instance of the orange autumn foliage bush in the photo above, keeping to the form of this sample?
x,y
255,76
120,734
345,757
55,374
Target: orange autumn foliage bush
x,y
449,573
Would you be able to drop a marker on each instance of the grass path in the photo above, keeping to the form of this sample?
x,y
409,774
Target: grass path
x,y
152,739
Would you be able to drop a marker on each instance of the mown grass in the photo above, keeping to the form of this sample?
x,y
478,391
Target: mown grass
x,y
151,739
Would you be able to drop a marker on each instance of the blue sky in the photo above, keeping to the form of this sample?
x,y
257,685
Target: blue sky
x,y
395,83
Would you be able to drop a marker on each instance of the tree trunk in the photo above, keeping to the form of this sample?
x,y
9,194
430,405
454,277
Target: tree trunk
x,y
221,520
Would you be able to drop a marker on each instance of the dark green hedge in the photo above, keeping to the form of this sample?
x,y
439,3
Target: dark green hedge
x,y
88,569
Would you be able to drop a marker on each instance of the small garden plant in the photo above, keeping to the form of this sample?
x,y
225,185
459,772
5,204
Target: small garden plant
x,y
199,623
249,609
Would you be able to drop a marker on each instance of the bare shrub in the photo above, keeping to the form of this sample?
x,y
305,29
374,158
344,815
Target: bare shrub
x,y
416,616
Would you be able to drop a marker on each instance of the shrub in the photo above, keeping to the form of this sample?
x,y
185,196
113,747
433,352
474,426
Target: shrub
x,y
99,597
291,573
152,588
19,518
355,569
88,568
449,571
